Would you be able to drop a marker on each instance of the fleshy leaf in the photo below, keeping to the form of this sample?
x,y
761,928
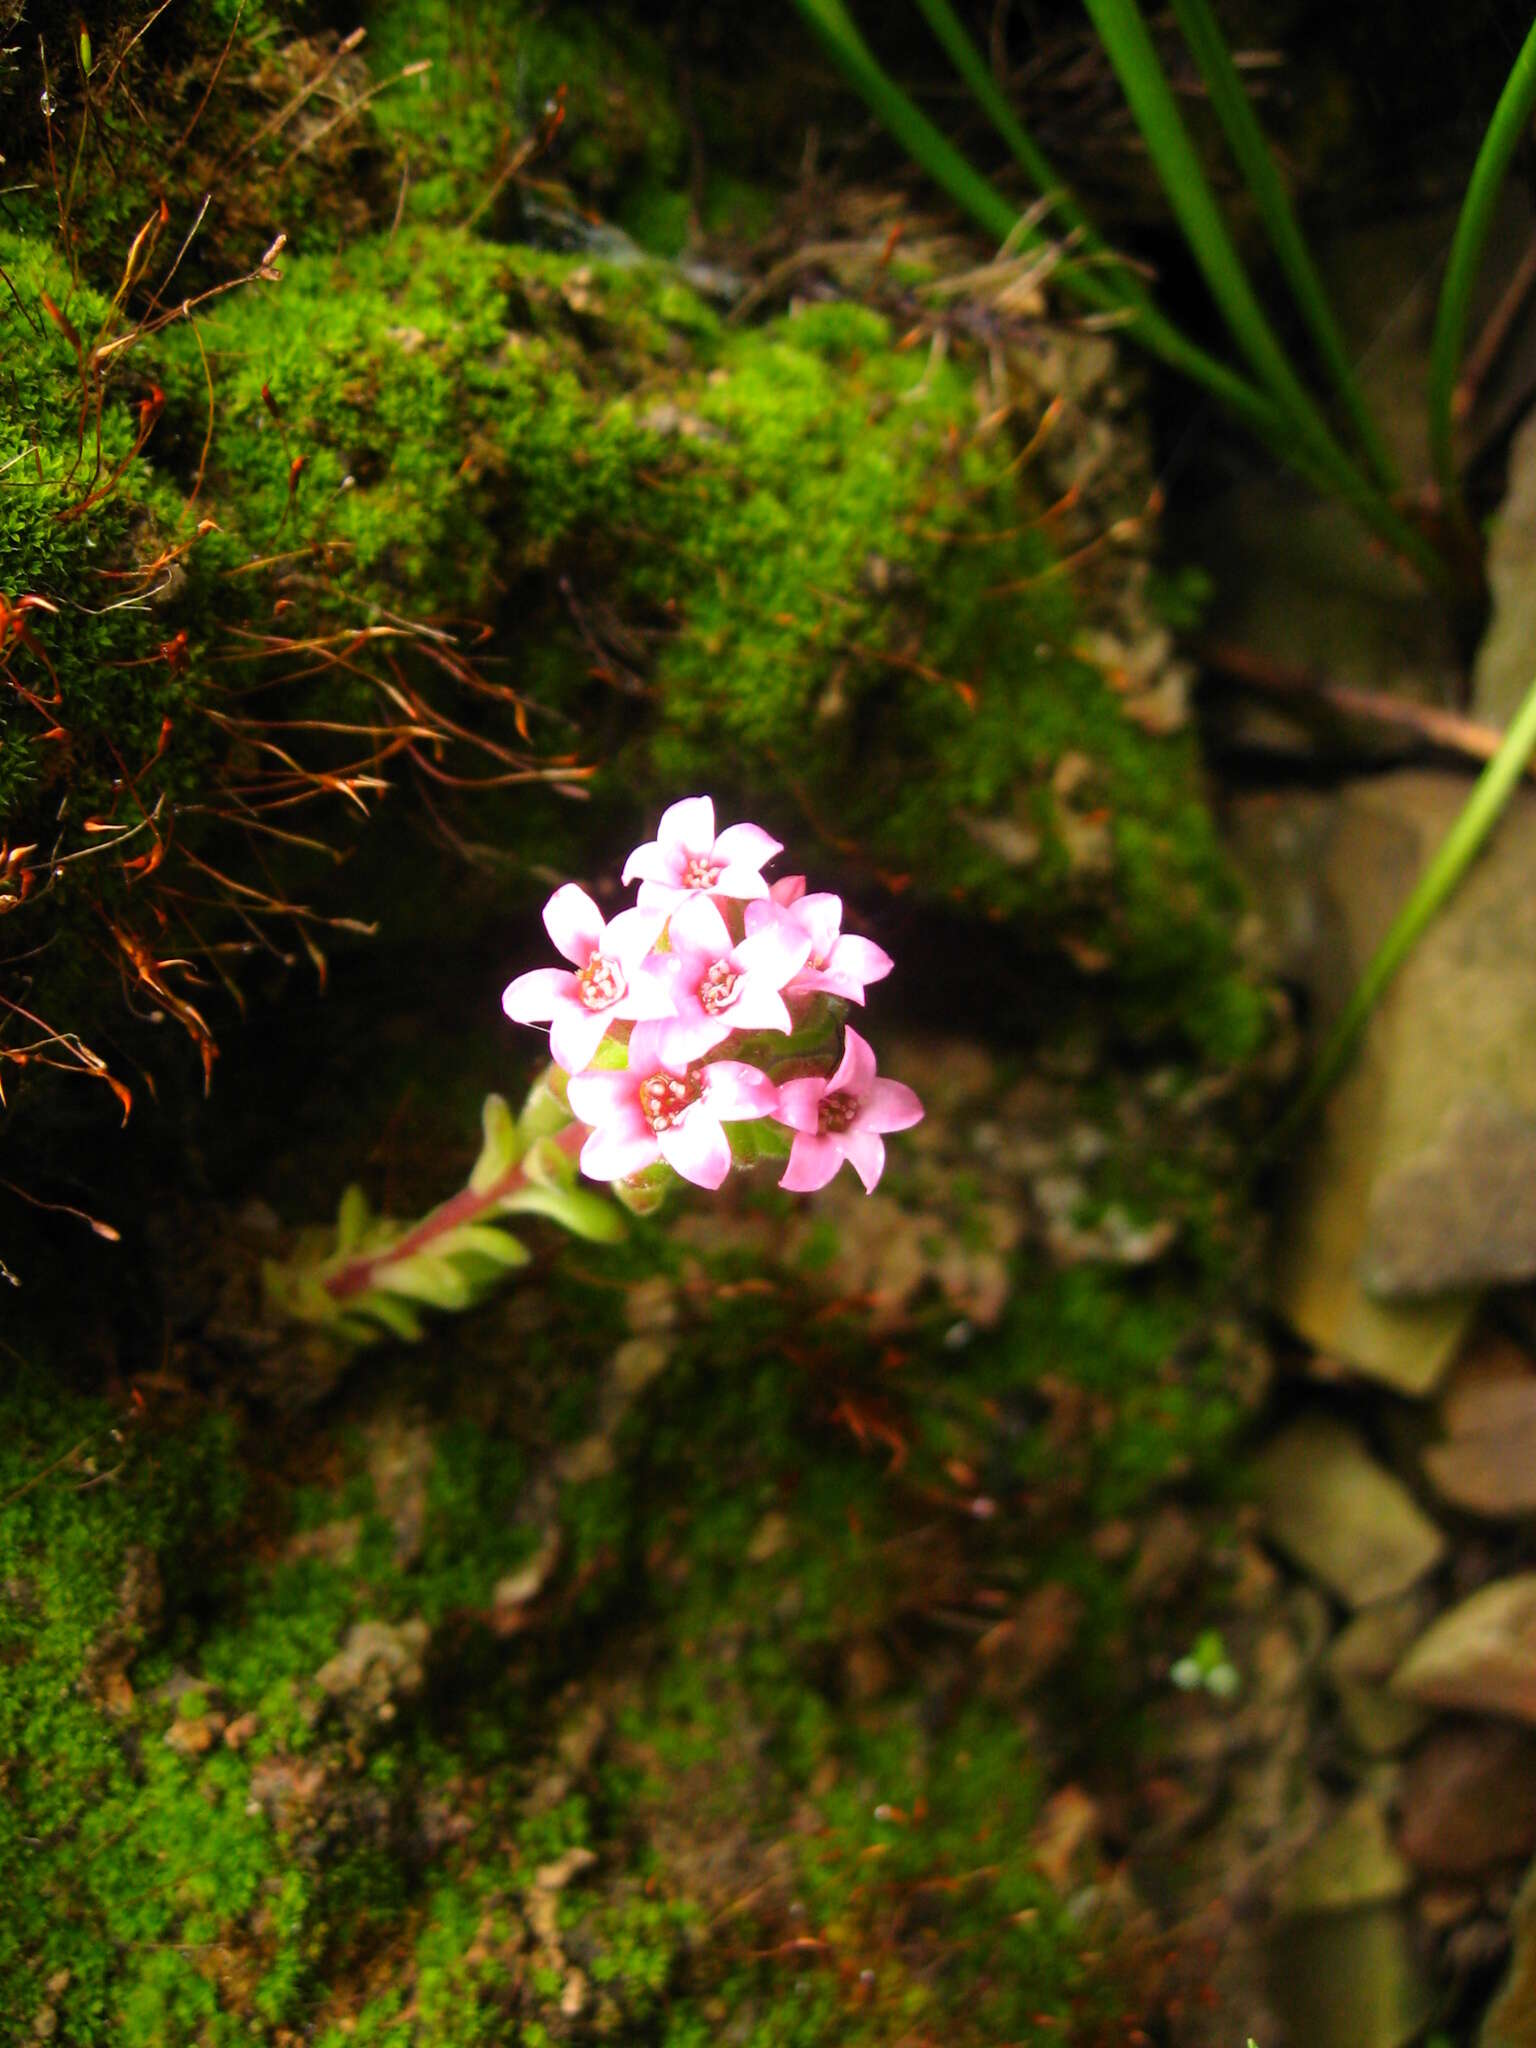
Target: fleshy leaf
x,y
396,1317
426,1276
352,1219
501,1146
545,1110
499,1246
575,1209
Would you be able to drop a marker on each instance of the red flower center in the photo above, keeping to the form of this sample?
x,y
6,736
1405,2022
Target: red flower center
x,y
836,1112
664,1099
701,871
601,982
717,991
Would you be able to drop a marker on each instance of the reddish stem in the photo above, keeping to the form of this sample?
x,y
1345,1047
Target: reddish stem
x,y
467,1206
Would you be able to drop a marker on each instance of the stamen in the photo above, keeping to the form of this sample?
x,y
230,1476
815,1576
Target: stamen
x,y
718,989
700,872
836,1112
665,1099
601,982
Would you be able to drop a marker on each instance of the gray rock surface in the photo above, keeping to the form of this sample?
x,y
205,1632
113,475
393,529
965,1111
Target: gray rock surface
x,y
1342,1517
1481,1656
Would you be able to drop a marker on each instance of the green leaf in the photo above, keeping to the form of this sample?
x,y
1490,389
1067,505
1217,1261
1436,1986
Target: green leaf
x,y
352,1219
399,1320
429,1278
546,1111
577,1210
549,1165
499,1246
501,1146
763,1138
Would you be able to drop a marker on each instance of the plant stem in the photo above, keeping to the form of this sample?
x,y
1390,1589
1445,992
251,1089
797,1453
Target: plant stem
x,y
1511,117
1230,102
1452,857
355,1276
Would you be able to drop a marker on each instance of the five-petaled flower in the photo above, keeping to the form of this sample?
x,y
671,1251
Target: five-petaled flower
x,y
614,978
843,1118
665,1109
718,986
687,857
838,963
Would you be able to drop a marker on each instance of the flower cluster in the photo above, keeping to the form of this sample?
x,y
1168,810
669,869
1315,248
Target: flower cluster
x,y
665,1019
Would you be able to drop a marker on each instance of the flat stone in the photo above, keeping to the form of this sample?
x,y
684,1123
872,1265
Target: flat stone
x,y
1468,1799
1377,1721
1342,1517
1481,1656
1352,1863
1416,1186
1487,1463
1350,1980
1511,2020
1506,661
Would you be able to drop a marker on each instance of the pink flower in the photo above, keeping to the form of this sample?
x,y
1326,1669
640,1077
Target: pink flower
x,y
717,986
840,963
664,1109
842,1119
687,857
612,980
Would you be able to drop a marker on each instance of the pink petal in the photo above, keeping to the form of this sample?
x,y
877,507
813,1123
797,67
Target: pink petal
x,y
688,826
645,1052
889,1106
606,1097
698,927
574,922
741,881
857,959
533,997
576,1033
866,1153
653,862
758,1007
746,846
649,995
697,1148
775,951
799,1103
660,893
822,917
811,981
855,1070
629,937
733,1090
812,1163
788,889
687,1038
615,1153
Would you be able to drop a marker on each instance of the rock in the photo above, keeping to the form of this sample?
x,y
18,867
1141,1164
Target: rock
x,y
1360,1660
1339,1515
1350,1980
1408,1194
378,1665
400,1458
1468,1799
1506,661
1511,2020
1487,1465
1481,1656
1352,1863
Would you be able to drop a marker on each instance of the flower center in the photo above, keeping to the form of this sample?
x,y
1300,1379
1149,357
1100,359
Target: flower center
x,y
601,982
664,1099
836,1112
700,871
717,991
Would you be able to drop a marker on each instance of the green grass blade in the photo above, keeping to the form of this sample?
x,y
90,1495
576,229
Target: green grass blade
x,y
1453,856
1129,47
973,68
993,213
1511,118
1233,110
